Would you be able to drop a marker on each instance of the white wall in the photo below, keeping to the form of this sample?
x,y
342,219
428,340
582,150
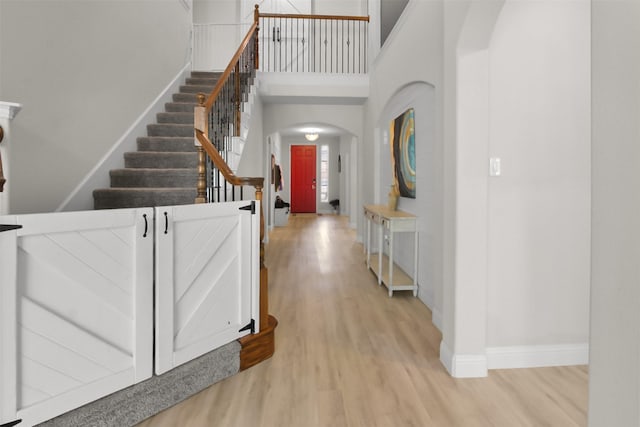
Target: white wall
x,y
340,7
539,208
521,94
614,369
218,31
216,12
252,162
84,71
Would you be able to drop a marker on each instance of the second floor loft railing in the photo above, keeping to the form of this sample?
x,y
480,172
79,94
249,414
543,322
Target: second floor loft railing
x,y
313,43
291,43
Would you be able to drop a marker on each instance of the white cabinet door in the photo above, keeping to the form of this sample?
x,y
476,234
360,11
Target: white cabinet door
x,y
83,308
206,281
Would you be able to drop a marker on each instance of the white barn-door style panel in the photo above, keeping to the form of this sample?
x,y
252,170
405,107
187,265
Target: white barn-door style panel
x,y
77,309
207,280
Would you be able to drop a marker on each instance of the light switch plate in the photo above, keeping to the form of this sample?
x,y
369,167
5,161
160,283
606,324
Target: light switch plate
x,y
494,166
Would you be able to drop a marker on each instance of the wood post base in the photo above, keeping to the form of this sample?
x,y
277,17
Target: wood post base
x,y
258,347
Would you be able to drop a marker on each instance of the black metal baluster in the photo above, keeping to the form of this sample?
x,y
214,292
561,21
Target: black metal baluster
x,y
331,34
342,44
354,56
303,39
325,46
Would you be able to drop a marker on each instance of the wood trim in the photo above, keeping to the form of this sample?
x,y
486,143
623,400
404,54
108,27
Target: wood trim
x,y
320,17
258,347
228,174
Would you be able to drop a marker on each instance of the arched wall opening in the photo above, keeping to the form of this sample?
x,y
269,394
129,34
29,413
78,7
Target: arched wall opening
x,y
427,205
342,167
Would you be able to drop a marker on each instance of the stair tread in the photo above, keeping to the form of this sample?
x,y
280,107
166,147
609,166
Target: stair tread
x,y
158,153
163,138
184,125
206,81
144,189
154,170
213,74
192,88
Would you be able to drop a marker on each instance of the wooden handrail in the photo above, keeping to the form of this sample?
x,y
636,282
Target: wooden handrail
x,y
306,16
230,68
226,171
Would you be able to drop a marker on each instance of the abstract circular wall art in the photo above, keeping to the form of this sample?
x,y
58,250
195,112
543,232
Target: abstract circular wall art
x,y
403,153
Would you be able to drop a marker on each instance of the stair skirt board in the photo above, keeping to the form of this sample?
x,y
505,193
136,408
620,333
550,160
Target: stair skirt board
x,y
134,404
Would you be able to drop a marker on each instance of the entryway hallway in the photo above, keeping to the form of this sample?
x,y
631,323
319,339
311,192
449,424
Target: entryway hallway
x,y
348,355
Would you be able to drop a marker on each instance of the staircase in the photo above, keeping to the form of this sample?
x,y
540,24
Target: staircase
x,y
163,171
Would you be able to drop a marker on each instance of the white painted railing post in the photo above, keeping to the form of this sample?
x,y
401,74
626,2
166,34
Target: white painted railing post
x,y
8,111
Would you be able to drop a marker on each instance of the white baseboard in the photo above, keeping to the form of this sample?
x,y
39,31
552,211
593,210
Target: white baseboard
x,y
463,365
436,318
537,356
81,198
428,299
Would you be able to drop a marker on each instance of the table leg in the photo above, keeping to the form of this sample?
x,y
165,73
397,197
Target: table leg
x,y
415,263
380,251
390,284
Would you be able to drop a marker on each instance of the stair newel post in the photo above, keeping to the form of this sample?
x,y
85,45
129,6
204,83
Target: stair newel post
x,y
264,276
200,123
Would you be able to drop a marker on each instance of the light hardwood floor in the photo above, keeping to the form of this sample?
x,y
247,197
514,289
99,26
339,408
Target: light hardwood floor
x,y
348,355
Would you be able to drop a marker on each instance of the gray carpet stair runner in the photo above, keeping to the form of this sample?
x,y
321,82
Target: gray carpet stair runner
x,y
163,171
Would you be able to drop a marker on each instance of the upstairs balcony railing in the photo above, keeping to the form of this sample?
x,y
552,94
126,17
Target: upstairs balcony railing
x,y
313,43
291,43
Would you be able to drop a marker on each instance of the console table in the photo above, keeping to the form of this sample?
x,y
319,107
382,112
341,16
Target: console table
x,y
387,222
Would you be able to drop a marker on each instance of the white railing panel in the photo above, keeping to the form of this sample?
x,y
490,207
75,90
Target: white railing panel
x,y
215,44
84,308
8,360
204,279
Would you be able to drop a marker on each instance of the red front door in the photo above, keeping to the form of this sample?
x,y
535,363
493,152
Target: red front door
x,y
303,178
